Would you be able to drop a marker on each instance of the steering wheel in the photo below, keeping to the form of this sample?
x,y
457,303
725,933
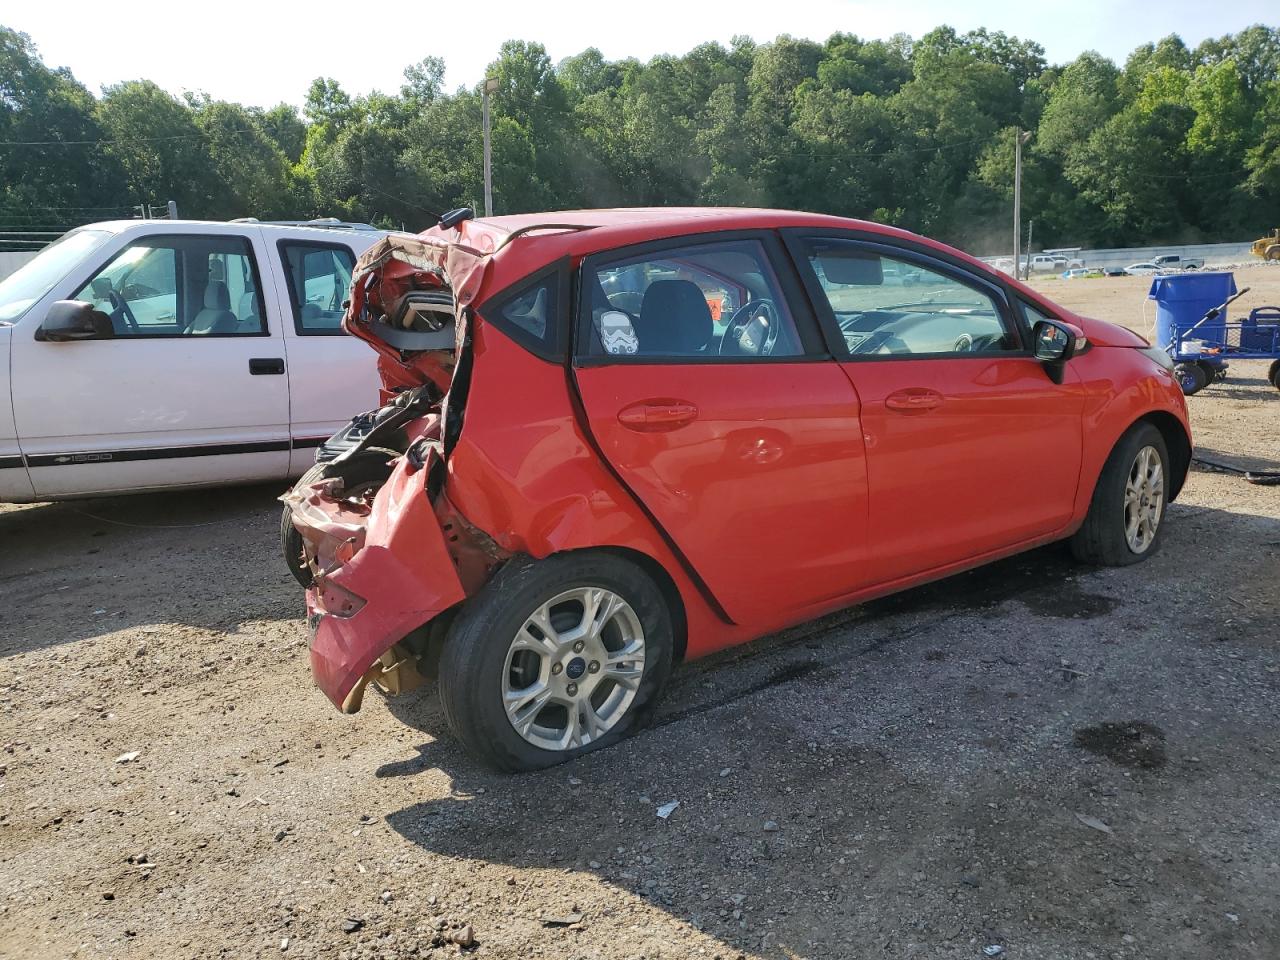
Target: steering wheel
x,y
753,330
119,303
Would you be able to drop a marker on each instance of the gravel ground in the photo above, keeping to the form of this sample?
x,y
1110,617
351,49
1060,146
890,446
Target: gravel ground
x,y
1055,761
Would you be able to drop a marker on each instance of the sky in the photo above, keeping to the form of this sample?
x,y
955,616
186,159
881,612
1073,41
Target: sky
x,y
264,53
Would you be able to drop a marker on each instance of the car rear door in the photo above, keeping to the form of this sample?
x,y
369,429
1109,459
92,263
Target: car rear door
x,y
332,375
747,452
971,447
190,389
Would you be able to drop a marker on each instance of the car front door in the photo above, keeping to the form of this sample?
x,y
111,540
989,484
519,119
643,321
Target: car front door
x,y
971,447
188,387
707,389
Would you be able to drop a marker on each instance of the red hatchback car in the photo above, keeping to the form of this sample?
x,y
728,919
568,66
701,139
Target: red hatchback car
x,y
614,439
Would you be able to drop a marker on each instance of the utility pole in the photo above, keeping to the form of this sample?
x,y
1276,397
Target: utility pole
x,y
1019,138
490,86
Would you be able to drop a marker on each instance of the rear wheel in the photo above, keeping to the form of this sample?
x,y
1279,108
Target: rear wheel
x,y
554,658
1127,511
1192,377
1274,374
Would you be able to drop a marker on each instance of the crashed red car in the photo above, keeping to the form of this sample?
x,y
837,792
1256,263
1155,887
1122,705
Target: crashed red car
x,y
615,439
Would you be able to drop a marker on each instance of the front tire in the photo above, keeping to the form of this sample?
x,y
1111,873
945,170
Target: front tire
x,y
554,658
1126,515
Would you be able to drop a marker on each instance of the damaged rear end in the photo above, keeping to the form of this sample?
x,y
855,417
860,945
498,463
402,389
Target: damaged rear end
x,y
388,557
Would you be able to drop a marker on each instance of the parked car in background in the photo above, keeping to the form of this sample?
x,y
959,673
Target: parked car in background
x,y
1144,269
620,438
1172,261
146,354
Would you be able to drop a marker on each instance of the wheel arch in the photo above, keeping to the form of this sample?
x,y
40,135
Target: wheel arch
x,y
666,585
1176,441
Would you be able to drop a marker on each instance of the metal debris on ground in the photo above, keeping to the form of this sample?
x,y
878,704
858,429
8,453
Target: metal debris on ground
x,y
1094,822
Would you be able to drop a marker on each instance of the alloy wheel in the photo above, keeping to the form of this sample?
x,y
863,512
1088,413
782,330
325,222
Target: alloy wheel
x,y
1143,499
573,669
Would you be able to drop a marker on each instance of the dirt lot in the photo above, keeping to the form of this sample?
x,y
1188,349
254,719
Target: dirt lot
x,y
1061,762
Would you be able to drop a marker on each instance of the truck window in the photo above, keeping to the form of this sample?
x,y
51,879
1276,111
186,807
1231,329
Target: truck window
x,y
180,287
319,278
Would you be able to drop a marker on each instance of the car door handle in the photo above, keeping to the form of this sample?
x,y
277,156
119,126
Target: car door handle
x,y
657,416
913,400
262,366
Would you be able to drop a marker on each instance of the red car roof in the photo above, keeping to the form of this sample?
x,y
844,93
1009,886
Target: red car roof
x,y
513,236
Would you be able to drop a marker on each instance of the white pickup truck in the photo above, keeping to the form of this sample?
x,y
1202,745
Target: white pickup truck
x,y
1172,261
1054,263
149,354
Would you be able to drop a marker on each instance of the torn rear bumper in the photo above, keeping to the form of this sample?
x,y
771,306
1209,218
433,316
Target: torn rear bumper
x,y
381,571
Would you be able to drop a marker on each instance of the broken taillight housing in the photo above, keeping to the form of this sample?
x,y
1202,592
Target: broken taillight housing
x,y
336,601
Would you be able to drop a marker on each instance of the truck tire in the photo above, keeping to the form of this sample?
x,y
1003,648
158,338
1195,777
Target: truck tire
x,y
1126,514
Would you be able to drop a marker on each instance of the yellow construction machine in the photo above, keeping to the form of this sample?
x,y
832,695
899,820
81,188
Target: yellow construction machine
x,y
1268,247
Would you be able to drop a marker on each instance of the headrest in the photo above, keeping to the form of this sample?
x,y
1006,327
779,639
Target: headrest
x,y
674,318
216,296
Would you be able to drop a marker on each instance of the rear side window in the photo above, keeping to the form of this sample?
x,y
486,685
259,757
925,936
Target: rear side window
x,y
532,312
705,301
319,277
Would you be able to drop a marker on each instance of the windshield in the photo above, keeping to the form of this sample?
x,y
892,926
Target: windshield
x,y
34,279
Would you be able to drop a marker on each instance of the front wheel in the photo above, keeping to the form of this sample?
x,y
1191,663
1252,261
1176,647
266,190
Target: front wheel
x,y
554,658
1126,514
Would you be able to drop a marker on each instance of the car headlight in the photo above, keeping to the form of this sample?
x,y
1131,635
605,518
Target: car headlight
x,y
1159,356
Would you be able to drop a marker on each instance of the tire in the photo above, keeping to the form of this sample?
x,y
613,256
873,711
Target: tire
x,y
1212,373
370,467
1191,377
1104,538
481,667
1273,374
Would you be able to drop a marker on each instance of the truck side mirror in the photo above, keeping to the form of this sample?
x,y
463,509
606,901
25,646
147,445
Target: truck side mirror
x,y
75,320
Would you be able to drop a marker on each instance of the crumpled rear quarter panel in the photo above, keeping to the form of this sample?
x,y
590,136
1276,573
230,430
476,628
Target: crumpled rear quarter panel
x,y
405,573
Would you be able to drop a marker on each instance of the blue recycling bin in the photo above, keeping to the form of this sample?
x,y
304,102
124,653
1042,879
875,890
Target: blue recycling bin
x,y
1182,299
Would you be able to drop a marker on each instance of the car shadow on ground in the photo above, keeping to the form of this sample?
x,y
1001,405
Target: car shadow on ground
x,y
193,557
848,813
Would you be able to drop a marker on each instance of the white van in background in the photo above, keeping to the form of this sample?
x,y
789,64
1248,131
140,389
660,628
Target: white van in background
x,y
145,354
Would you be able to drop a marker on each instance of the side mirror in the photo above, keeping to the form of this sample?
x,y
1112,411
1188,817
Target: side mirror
x,y
1054,343
75,320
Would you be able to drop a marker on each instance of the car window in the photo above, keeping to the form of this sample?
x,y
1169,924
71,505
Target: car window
x,y
319,282
179,286
704,301
887,306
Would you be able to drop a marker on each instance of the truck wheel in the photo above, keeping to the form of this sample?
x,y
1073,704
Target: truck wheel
x,y
370,468
1191,377
554,658
1125,516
